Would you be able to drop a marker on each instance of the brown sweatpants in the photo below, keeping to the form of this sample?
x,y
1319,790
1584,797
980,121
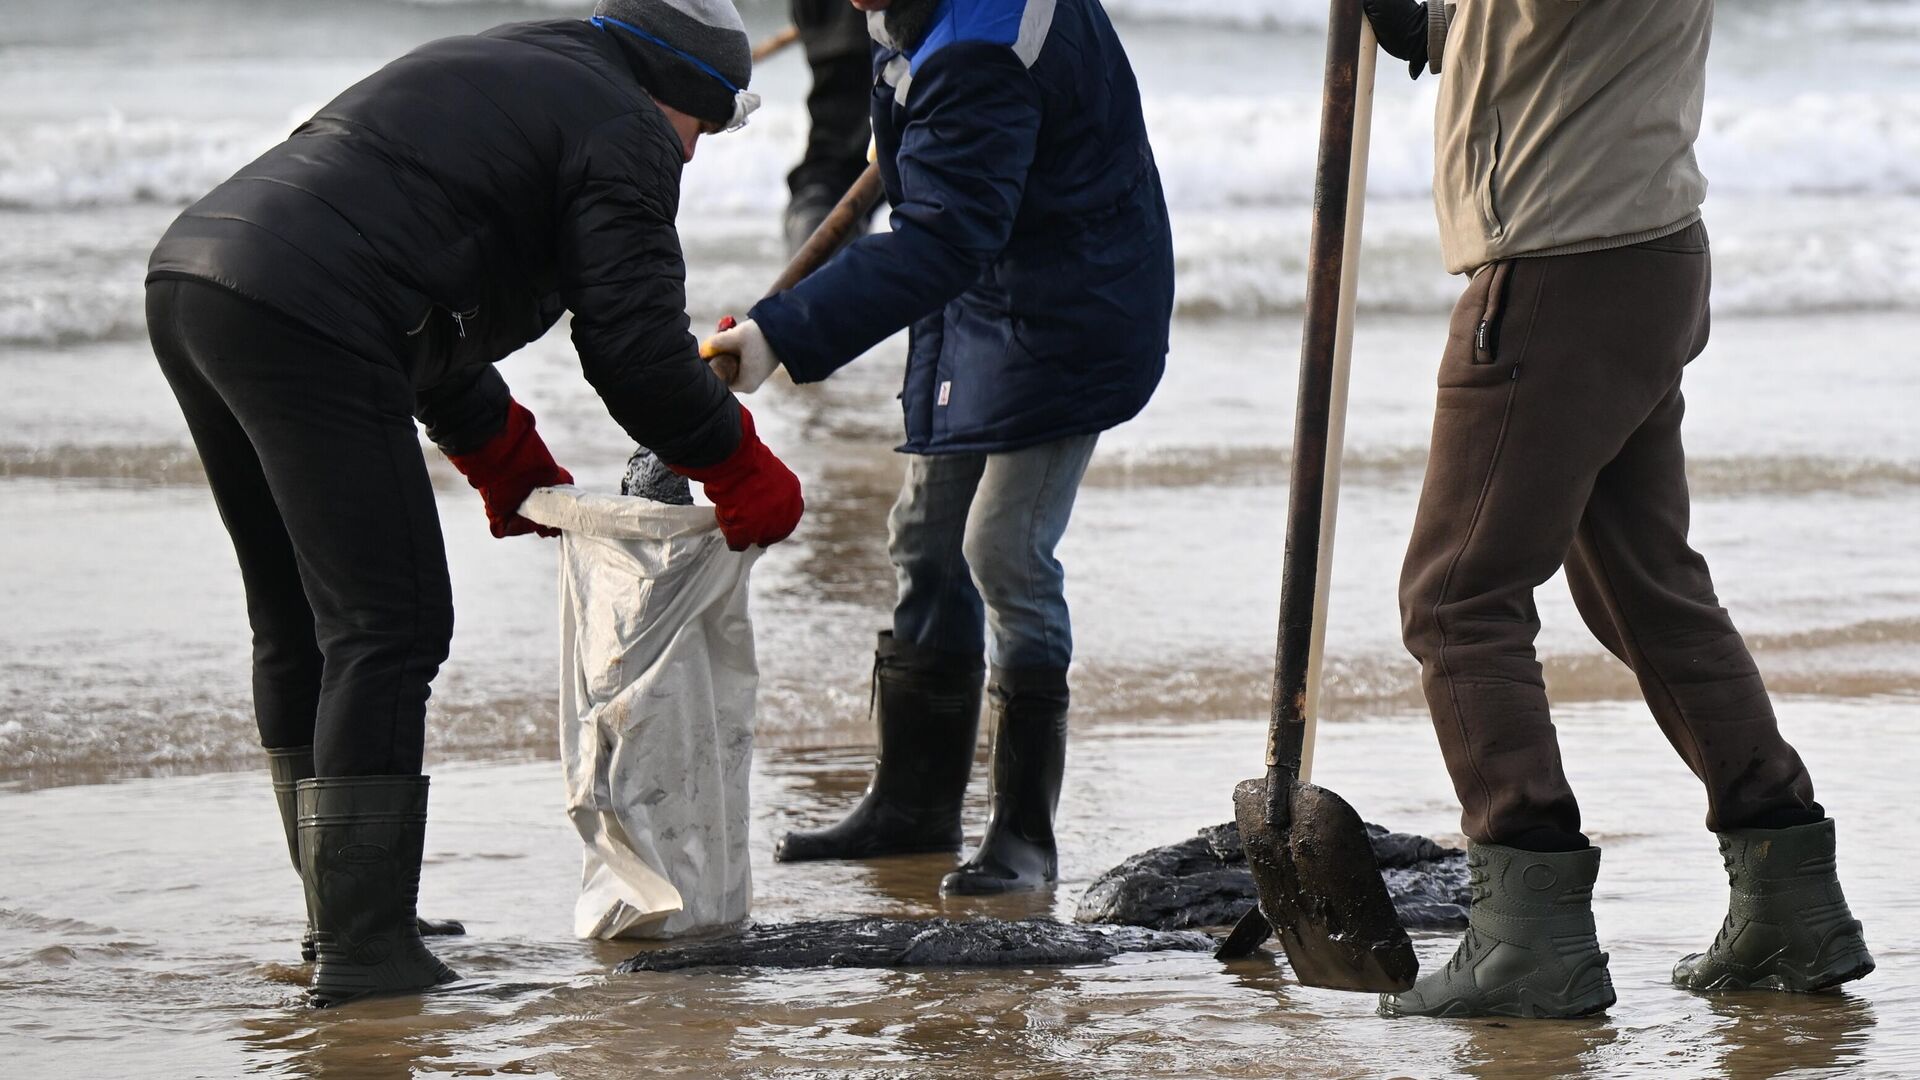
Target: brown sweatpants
x,y
1556,439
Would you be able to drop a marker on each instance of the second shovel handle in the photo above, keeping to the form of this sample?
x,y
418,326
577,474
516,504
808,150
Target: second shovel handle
x,y
835,232
774,44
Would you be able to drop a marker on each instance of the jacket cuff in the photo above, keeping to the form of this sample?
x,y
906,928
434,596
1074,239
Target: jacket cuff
x,y
1437,16
465,413
781,324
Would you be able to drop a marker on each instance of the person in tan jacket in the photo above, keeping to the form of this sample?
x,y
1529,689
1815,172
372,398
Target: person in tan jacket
x,y
1566,189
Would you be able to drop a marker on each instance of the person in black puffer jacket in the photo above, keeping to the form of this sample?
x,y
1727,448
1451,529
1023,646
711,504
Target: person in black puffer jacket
x,y
371,270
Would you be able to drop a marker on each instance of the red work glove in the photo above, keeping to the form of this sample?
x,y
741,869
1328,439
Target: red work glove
x,y
755,496
507,468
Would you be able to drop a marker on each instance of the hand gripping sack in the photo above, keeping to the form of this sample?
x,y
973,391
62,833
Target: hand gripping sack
x,y
657,684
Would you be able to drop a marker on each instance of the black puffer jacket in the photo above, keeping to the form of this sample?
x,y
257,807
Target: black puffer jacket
x,y
447,209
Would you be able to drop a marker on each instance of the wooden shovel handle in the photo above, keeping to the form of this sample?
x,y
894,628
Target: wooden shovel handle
x,y
839,228
775,43
1326,342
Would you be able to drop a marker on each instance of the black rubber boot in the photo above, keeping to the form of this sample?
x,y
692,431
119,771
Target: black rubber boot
x,y
1530,949
289,766
1029,756
361,839
926,706
1788,926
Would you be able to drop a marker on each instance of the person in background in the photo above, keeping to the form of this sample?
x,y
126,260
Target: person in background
x,y
1030,254
834,35
371,270
1567,190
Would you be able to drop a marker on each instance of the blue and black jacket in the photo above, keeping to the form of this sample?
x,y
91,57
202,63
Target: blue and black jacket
x,y
1030,250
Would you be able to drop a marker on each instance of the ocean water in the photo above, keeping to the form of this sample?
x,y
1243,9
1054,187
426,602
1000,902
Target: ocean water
x,y
124,651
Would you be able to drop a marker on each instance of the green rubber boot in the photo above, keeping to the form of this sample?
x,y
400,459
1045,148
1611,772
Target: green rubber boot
x,y
1788,926
361,840
288,766
1530,949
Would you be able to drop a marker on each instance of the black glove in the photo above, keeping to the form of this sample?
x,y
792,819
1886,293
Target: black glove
x,y
1401,26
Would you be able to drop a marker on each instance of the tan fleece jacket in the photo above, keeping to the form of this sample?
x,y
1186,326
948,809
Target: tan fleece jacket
x,y
1565,125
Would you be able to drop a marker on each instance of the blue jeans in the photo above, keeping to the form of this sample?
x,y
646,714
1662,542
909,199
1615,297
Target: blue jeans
x,y
972,537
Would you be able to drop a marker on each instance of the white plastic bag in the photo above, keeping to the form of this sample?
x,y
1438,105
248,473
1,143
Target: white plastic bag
x,y
657,684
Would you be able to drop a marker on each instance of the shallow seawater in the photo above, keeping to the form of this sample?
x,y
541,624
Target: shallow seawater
x,y
127,644
148,928
147,915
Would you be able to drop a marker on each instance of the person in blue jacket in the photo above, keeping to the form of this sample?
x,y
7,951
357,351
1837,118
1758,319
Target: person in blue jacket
x,y
1031,257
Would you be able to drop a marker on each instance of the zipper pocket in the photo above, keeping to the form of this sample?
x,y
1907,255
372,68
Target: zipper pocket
x,y
460,319
1486,335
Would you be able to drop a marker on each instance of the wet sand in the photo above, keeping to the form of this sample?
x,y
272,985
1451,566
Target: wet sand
x,y
148,929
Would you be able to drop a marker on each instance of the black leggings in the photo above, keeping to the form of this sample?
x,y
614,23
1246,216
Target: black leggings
x,y
315,465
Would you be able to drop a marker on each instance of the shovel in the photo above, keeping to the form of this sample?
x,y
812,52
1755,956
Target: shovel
x,y
1320,888
774,44
835,232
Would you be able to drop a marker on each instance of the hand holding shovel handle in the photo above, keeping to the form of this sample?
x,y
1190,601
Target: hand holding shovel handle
x,y
839,228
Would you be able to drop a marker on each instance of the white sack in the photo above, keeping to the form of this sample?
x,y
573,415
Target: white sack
x,y
657,683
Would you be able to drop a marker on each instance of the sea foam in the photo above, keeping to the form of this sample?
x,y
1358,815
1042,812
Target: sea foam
x,y
1212,152
1802,192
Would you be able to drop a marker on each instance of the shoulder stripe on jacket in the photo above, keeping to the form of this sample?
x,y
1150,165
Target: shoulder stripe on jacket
x,y
1021,25
1035,22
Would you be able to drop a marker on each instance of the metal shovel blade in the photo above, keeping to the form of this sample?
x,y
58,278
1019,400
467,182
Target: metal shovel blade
x,y
1321,889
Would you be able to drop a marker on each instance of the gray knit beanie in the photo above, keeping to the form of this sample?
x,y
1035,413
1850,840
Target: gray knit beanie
x,y
692,54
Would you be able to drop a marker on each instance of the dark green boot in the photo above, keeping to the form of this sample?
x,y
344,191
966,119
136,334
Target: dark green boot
x,y
1788,926
1029,757
1530,949
926,709
288,766
361,840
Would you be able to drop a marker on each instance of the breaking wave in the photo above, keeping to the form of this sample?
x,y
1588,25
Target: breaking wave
x,y
112,160
1709,476
86,735
1804,188
42,312
1250,275
1227,267
1213,152
1262,13
1869,659
1889,16
1771,256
